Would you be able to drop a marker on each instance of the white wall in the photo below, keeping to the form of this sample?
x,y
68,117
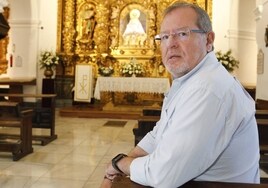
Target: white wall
x,y
262,23
234,25
221,24
27,38
47,39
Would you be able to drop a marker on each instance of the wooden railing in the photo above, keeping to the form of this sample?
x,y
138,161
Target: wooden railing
x,y
124,182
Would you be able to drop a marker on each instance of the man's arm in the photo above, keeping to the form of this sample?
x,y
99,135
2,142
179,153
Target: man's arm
x,y
137,152
124,163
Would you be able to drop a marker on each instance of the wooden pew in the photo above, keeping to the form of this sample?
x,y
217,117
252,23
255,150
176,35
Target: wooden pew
x,y
150,116
43,117
125,182
261,114
20,145
263,141
263,134
146,123
261,104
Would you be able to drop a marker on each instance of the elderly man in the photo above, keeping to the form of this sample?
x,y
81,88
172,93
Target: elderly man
x,y
207,130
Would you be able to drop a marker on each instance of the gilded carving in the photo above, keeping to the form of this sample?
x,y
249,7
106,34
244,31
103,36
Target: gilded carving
x,y
133,30
92,29
3,48
68,27
102,28
3,52
86,23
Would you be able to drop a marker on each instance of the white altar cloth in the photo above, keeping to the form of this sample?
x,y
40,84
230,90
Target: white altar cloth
x,y
131,84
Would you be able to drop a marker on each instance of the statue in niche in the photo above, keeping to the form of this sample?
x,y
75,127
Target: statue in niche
x,y
134,33
87,25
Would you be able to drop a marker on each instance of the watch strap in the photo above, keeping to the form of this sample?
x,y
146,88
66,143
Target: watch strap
x,y
116,159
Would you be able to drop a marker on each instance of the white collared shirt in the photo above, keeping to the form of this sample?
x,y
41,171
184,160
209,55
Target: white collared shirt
x,y
207,132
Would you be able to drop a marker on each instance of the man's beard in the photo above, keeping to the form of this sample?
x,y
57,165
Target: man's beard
x,y
178,71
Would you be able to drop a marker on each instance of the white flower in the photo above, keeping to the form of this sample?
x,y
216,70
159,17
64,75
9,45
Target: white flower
x,y
106,71
227,60
48,59
132,68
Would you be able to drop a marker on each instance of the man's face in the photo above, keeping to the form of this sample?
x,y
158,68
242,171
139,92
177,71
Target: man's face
x,y
178,55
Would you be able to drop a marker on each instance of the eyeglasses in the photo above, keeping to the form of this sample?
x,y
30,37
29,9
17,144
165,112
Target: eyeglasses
x,y
181,34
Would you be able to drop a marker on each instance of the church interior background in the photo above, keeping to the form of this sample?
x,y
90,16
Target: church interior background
x,y
98,34
93,33
116,38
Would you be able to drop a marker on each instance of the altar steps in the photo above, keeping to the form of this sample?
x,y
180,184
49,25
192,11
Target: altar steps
x,y
98,113
83,113
106,111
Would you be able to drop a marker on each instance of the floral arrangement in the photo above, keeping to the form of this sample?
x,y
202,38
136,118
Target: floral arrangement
x,y
227,60
132,68
49,59
106,71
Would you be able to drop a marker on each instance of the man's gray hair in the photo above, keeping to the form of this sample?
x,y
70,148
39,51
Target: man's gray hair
x,y
203,20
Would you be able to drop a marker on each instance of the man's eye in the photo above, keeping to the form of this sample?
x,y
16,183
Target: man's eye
x,y
182,34
164,37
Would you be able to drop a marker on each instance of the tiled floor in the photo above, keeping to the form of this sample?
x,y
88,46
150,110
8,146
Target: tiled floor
x,y
77,159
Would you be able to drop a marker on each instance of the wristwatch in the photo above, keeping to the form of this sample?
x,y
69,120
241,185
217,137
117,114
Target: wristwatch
x,y
116,159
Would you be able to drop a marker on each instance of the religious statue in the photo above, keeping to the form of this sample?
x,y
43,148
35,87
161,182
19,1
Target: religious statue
x,y
88,24
134,33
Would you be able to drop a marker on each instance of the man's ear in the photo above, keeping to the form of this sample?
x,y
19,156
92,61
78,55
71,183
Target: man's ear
x,y
210,41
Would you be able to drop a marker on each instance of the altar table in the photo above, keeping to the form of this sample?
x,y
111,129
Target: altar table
x,y
131,84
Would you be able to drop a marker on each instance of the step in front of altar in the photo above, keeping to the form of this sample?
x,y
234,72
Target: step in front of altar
x,y
107,111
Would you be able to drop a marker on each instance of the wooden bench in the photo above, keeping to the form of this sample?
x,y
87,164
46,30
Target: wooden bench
x,y
124,182
263,134
261,104
43,117
146,123
261,114
21,144
150,116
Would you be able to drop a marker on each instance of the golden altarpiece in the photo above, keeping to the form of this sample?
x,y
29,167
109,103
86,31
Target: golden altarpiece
x,y
3,47
100,33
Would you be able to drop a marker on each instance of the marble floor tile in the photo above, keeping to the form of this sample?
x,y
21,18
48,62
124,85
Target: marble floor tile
x,y
57,183
70,171
77,158
27,169
7,181
82,159
44,157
